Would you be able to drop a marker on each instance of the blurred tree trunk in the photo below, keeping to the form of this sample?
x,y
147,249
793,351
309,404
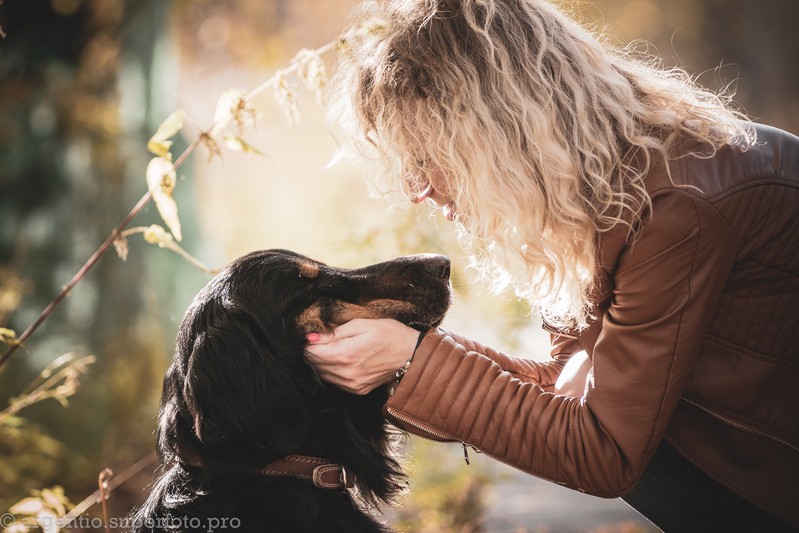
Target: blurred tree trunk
x,y
759,40
71,167
751,44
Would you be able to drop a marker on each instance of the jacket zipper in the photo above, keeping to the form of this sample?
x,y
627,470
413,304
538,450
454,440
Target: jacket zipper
x,y
738,425
467,445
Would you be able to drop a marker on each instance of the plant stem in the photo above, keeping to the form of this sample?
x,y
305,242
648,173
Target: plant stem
x,y
77,277
288,70
90,262
113,483
116,232
175,247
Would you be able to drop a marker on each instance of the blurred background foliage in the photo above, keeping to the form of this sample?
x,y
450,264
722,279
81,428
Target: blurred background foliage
x,y
84,83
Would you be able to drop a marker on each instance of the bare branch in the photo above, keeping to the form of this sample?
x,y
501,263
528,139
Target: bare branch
x,y
117,231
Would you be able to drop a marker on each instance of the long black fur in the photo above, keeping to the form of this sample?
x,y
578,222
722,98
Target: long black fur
x,y
239,394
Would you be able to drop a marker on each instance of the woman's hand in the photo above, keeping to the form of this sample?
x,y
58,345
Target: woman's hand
x,y
361,354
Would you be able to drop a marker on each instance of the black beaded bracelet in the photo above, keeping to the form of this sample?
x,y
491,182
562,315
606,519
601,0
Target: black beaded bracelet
x,y
402,370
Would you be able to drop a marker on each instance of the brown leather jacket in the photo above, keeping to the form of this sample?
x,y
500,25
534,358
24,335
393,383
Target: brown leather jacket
x,y
697,341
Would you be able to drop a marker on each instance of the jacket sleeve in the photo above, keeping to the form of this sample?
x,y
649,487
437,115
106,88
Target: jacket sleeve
x,y
543,373
665,288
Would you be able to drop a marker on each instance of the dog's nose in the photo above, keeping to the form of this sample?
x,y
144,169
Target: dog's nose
x,y
437,265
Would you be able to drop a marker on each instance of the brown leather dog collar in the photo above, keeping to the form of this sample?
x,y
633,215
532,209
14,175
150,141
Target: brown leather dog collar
x,y
321,472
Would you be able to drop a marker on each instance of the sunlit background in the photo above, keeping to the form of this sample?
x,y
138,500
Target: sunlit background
x,y
83,85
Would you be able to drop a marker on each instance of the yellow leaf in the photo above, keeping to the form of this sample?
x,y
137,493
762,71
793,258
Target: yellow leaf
x,y
226,109
161,178
55,499
158,143
238,144
160,148
28,506
8,336
155,234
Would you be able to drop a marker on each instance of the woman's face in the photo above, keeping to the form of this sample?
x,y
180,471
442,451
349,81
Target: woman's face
x,y
437,191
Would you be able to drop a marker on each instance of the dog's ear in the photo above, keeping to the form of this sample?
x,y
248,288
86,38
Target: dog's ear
x,y
243,399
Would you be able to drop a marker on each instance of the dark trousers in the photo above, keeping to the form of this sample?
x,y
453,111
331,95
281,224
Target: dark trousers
x,y
679,498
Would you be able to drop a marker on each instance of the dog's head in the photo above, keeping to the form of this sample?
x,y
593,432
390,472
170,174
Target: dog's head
x,y
239,392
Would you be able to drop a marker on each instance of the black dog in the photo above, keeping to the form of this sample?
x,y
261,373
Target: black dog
x,y
249,438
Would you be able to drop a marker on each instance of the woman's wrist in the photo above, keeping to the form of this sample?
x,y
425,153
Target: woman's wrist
x,y
398,375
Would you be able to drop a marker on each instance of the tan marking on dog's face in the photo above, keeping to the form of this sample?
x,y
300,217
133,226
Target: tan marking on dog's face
x,y
308,270
344,312
310,321
340,312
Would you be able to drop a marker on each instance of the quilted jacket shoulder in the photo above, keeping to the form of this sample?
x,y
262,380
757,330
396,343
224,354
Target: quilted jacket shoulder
x,y
696,341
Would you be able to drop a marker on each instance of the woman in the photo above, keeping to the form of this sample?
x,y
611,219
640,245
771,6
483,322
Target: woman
x,y
654,229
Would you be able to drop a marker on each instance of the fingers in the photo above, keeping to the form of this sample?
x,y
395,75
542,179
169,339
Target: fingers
x,y
361,354
340,369
353,328
325,351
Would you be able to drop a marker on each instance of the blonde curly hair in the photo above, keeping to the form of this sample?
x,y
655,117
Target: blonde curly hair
x,y
534,124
